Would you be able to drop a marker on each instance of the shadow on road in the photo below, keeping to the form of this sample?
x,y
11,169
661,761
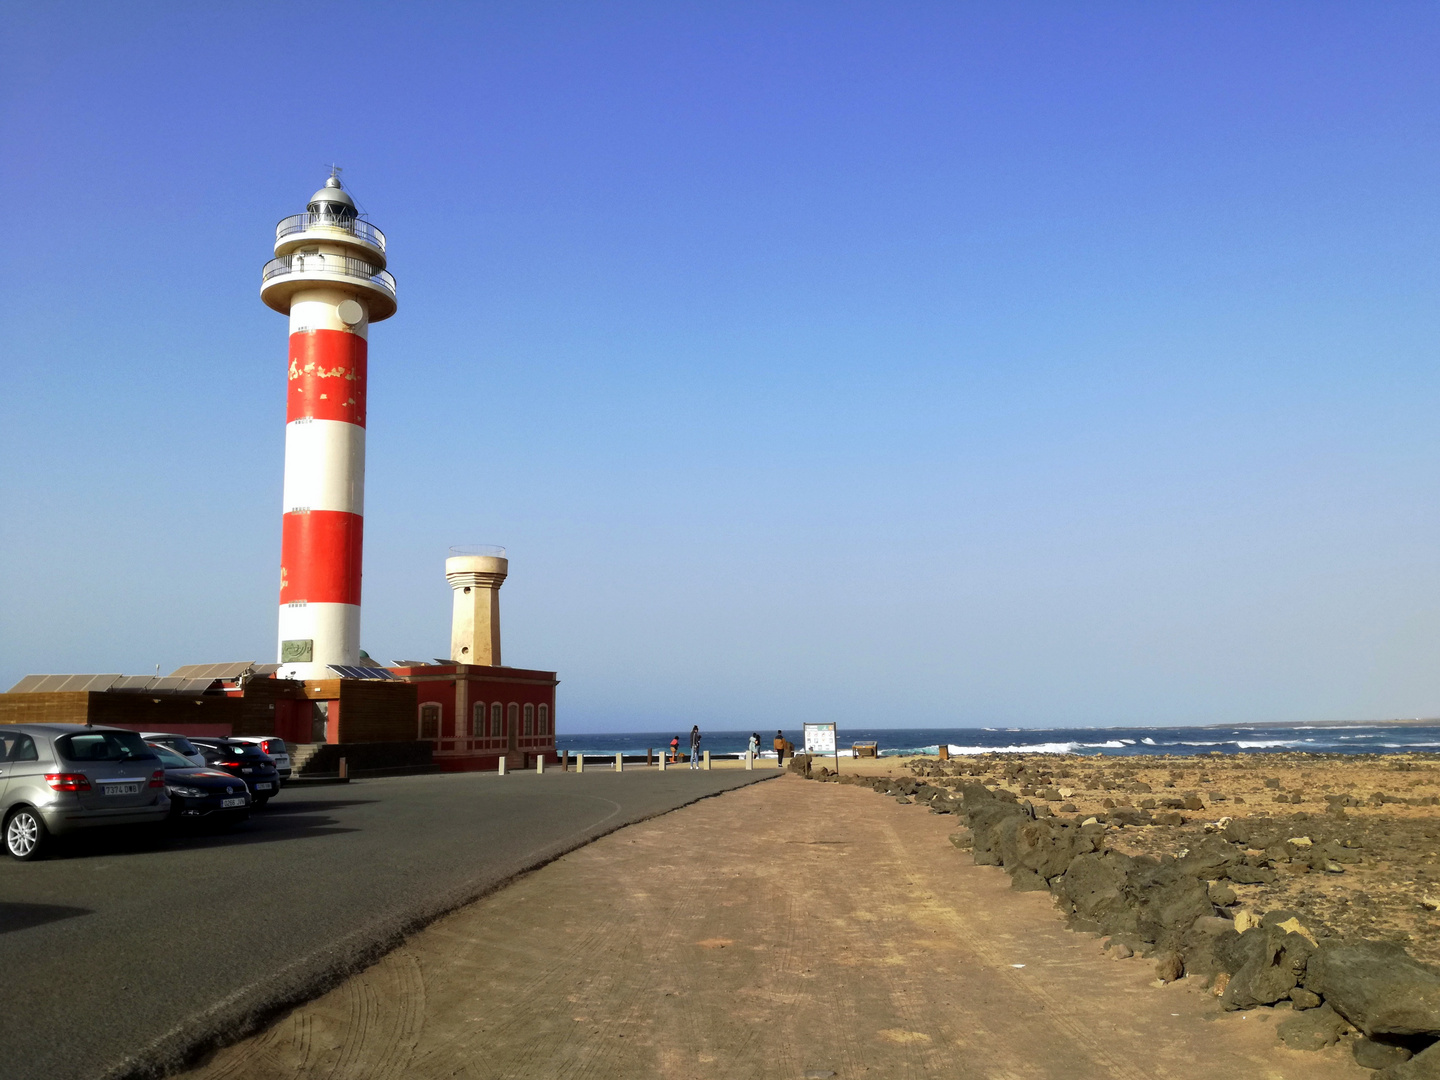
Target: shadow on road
x,y
264,827
14,916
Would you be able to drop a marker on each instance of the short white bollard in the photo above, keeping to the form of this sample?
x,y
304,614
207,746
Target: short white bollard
x,y
579,761
662,762
502,770
619,761
705,760
749,761
539,763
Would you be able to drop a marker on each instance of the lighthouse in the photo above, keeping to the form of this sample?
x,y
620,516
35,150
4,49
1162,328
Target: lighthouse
x,y
329,276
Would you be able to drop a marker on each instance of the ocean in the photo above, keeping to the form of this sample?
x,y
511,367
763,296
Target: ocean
x,y
1095,742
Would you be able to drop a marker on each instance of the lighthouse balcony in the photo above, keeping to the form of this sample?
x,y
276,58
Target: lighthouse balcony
x,y
298,230
282,278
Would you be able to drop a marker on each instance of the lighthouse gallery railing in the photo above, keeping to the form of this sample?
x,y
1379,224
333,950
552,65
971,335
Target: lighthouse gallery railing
x,y
361,230
329,264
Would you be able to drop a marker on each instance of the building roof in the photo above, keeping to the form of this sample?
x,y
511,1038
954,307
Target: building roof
x,y
148,684
233,670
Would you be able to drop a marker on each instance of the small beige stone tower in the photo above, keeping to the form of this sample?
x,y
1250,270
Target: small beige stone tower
x,y
476,575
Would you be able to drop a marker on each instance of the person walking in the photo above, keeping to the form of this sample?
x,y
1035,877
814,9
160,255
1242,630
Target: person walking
x,y
695,747
675,750
780,748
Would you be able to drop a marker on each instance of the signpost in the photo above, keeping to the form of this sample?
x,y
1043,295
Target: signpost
x,y
820,739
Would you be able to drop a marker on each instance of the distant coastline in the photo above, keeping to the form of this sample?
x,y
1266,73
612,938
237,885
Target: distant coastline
x,y
1292,724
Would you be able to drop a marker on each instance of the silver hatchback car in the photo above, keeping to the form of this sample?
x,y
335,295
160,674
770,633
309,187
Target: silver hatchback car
x,y
55,778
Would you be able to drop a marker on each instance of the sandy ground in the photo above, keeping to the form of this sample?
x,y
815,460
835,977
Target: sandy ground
x,y
1385,886
791,929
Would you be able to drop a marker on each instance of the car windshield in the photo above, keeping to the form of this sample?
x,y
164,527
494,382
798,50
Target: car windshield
x,y
181,746
170,759
105,746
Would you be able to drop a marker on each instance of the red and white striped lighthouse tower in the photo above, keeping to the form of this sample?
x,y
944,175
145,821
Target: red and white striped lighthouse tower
x,y
329,276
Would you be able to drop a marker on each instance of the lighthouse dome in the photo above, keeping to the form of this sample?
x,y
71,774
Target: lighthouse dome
x,y
332,201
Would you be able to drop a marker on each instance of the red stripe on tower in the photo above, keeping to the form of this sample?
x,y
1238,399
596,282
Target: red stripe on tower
x,y
320,557
327,376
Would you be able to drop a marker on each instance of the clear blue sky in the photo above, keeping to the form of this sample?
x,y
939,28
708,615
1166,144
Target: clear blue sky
x,y
897,364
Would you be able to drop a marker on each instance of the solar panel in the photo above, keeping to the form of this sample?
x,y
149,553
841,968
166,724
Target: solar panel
x,y
233,670
352,671
134,682
44,684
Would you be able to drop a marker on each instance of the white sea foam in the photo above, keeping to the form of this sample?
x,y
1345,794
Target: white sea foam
x,y
1113,744
1033,748
1261,744
1148,741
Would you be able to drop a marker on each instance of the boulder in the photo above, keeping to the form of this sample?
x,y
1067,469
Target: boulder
x,y
1207,941
1044,847
1423,1066
1167,901
1170,966
1093,889
1210,858
1222,895
1313,1029
1242,874
985,822
1378,988
1271,963
1371,1054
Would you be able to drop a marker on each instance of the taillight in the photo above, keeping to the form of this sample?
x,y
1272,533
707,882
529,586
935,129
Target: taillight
x,y
228,764
265,746
67,781
157,778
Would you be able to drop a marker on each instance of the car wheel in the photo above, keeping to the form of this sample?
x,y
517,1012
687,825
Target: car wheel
x,y
25,834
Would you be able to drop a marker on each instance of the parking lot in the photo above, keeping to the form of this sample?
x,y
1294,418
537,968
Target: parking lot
x,y
122,952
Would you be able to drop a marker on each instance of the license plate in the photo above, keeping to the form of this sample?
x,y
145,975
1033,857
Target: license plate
x,y
258,787
232,802
122,789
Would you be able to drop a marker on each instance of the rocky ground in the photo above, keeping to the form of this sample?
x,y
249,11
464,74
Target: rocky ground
x,y
1350,842
1295,880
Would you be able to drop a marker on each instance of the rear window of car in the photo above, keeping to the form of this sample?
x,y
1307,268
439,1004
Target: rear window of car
x,y
181,746
235,749
105,746
170,759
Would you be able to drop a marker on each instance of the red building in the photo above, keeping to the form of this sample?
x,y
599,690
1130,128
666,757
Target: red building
x,y
475,714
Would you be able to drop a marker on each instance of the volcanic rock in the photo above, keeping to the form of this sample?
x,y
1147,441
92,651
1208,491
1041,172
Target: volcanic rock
x,y
1313,1029
1371,1054
1378,988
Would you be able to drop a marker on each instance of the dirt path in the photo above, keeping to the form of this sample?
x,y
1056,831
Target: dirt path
x,y
786,930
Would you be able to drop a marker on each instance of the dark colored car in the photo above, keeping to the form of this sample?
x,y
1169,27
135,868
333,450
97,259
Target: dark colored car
x,y
199,793
244,761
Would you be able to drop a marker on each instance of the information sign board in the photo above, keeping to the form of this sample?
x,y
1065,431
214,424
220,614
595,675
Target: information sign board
x,y
820,739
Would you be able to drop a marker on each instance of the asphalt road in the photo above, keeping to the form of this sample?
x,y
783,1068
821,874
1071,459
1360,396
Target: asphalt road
x,y
121,956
